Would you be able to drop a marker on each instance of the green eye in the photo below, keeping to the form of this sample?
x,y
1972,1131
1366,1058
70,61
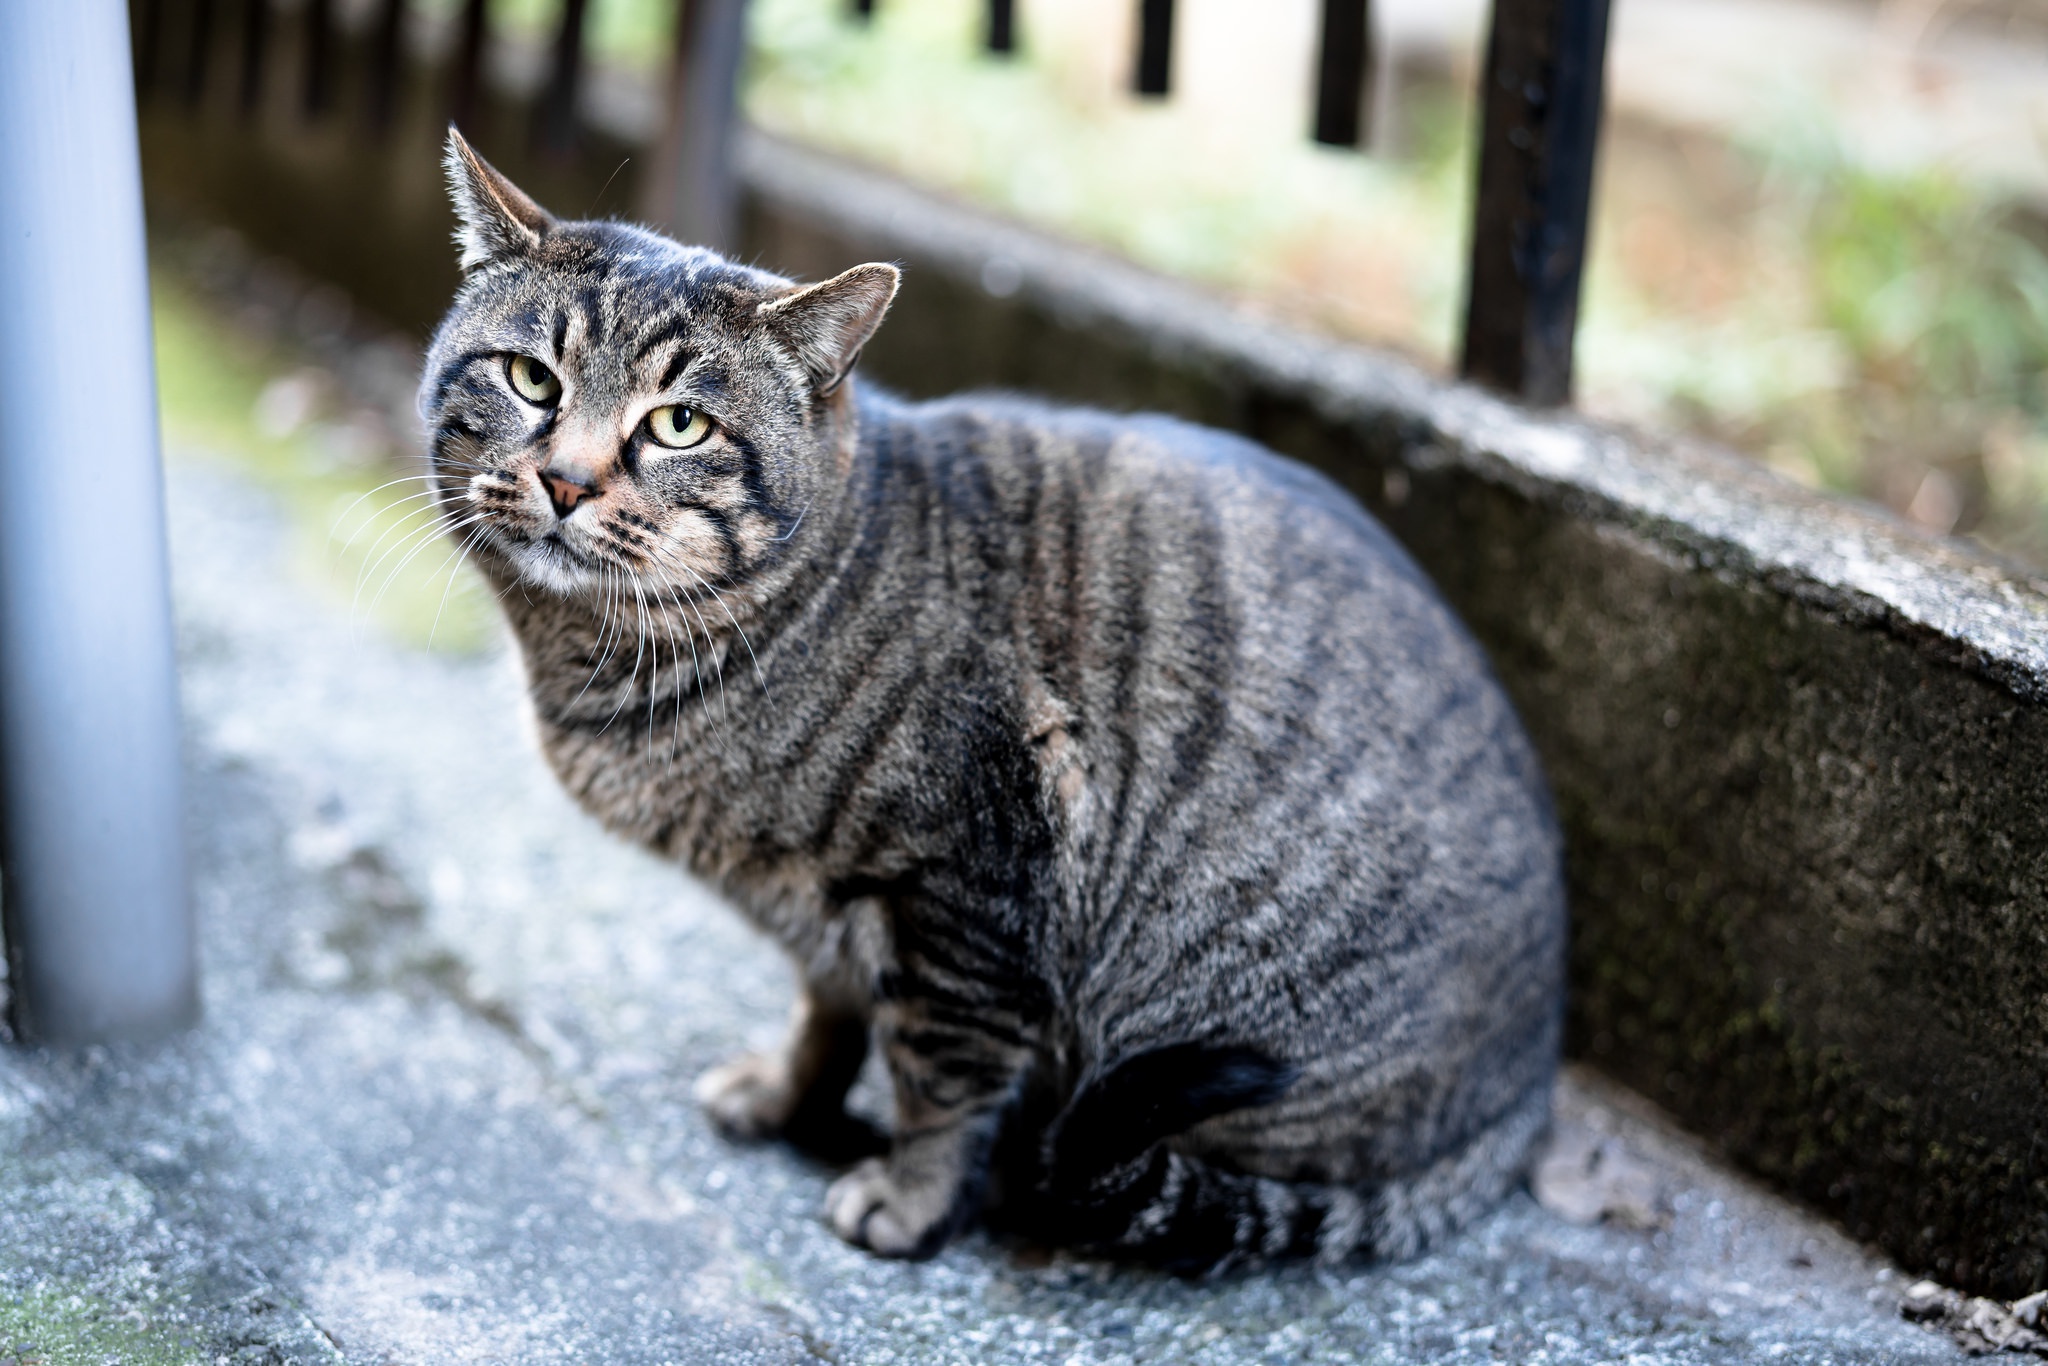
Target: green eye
x,y
678,427
532,381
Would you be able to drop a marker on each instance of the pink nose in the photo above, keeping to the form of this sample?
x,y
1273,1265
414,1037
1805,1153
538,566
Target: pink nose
x,y
565,491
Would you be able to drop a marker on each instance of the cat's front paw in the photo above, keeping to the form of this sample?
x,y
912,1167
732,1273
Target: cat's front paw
x,y
869,1208
751,1097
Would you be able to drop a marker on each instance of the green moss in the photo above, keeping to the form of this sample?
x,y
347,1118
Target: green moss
x,y
58,1328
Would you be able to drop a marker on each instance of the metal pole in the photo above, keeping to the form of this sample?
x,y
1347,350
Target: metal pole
x,y
1538,135
99,930
691,191
1343,73
1155,47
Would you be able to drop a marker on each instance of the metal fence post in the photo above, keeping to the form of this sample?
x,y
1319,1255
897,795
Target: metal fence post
x,y
318,92
386,64
465,99
199,50
255,47
1538,133
1002,26
1344,74
98,924
1154,73
691,190
554,129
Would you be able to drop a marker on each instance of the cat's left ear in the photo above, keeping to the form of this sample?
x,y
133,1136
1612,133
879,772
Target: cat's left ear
x,y
827,324
495,218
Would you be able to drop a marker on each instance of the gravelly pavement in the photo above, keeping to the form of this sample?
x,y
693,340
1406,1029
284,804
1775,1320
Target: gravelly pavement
x,y
439,1107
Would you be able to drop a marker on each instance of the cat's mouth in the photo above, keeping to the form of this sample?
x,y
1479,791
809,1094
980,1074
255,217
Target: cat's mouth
x,y
554,550
548,560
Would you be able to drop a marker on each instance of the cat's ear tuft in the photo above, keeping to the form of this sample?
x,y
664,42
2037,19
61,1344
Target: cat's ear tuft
x,y
495,218
827,324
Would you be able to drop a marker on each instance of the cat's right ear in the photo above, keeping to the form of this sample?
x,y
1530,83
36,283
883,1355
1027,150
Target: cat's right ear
x,y
495,218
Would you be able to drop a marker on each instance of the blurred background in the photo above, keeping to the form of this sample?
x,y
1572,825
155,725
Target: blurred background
x,y
1818,228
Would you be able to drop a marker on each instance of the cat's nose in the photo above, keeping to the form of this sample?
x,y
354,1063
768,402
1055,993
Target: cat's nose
x,y
566,488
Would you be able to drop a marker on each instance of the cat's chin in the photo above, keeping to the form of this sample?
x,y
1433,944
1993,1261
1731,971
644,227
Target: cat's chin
x,y
552,567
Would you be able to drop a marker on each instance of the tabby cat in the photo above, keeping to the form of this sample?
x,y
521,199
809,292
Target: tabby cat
x,y
1124,783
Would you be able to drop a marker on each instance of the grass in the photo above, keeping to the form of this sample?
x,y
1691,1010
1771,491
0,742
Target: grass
x,y
230,396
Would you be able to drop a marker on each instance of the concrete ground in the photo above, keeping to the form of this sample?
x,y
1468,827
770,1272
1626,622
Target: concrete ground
x,y
439,1108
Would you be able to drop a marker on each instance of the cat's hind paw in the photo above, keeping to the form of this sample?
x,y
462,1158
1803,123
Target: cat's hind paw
x,y
868,1208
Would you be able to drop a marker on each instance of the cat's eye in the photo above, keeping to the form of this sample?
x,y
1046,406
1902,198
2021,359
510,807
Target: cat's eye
x,y
532,381
677,427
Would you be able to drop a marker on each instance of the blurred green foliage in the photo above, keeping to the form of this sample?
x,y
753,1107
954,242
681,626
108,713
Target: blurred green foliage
x,y
366,535
1935,293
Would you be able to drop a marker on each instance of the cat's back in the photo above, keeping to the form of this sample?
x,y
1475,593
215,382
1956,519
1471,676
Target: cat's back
x,y
1144,544
1243,656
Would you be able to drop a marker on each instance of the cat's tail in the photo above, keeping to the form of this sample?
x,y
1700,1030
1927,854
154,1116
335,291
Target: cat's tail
x,y
1115,1187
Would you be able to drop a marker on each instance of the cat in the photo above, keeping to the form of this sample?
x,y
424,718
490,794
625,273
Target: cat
x,y
1124,783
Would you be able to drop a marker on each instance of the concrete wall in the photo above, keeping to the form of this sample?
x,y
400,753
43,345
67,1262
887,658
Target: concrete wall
x,y
1801,752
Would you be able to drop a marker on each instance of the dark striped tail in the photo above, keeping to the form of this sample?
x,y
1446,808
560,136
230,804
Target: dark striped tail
x,y
1116,1188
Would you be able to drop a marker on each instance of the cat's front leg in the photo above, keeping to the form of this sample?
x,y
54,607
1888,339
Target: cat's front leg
x,y
953,1082
800,1091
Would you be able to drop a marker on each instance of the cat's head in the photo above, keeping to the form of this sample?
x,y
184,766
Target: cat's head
x,y
610,409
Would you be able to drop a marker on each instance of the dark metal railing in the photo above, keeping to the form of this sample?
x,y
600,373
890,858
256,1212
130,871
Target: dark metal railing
x,y
554,127
1343,74
1155,48
1539,129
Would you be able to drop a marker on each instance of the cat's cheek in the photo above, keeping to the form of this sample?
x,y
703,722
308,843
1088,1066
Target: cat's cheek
x,y
508,499
695,543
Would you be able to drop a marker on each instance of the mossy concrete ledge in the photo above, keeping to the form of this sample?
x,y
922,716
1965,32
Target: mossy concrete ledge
x,y
1801,752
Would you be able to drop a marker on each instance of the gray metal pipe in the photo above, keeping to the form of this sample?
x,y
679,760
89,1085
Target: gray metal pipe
x,y
98,923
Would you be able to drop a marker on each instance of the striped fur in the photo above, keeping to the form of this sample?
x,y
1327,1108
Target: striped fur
x,y
1124,783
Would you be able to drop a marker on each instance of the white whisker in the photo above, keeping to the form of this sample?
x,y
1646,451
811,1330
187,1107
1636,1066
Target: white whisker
x,y
639,647
415,553
357,501
461,557
603,630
